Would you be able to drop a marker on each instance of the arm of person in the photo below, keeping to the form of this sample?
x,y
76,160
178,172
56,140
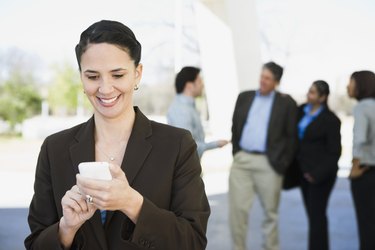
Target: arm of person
x,y
43,218
359,140
332,152
359,132
184,224
235,134
183,119
204,146
48,231
291,136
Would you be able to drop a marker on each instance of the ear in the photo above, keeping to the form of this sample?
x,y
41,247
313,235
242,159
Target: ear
x,y
189,86
139,71
323,99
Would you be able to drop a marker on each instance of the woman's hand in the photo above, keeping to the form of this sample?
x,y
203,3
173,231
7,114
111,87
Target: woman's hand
x,y
309,177
75,212
357,171
115,194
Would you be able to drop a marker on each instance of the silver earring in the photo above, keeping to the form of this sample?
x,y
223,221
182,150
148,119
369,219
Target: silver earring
x,y
136,87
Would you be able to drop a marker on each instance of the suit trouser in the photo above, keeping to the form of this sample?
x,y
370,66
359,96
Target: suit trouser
x,y
315,198
250,175
363,192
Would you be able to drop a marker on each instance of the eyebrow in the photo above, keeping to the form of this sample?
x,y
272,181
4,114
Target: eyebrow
x,y
112,71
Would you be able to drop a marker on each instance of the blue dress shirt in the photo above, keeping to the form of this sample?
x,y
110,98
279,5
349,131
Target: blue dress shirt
x,y
103,215
307,119
254,133
183,114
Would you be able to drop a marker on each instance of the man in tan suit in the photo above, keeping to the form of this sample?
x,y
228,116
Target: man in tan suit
x,y
263,136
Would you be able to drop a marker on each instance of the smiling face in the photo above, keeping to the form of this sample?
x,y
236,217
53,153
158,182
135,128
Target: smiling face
x,y
109,76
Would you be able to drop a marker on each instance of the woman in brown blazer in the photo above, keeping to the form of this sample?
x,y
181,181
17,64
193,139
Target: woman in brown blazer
x,y
156,198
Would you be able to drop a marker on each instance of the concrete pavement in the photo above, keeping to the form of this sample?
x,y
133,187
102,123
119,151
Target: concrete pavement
x,y
293,227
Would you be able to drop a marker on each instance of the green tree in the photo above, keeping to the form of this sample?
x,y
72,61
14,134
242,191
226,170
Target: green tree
x,y
19,98
66,94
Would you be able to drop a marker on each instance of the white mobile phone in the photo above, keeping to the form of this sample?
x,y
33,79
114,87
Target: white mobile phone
x,y
95,170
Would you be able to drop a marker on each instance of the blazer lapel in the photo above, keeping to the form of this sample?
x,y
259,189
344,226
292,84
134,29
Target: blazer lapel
x,y
137,150
83,150
315,122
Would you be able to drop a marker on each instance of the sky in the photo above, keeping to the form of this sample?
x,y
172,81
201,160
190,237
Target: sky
x,y
312,39
49,30
52,28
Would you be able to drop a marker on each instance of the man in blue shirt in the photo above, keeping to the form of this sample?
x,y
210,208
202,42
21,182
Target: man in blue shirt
x,y
183,114
264,135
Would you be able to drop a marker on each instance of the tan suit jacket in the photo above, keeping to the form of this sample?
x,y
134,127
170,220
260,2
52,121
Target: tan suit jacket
x,y
160,162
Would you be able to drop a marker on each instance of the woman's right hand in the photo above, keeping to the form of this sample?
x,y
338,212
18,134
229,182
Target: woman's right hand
x,y
75,212
357,171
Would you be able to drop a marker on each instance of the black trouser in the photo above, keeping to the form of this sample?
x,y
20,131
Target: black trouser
x,y
363,192
315,198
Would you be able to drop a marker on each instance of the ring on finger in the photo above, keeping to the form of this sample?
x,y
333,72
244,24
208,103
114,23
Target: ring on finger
x,y
89,199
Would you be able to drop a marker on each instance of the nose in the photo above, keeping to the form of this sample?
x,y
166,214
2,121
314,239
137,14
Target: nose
x,y
105,87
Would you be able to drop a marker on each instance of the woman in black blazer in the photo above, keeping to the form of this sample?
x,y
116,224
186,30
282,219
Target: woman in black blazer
x,y
156,198
318,155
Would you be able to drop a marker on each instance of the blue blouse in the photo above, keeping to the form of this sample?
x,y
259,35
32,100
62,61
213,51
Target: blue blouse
x,y
307,119
103,215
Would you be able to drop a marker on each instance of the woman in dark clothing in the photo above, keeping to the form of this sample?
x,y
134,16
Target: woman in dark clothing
x,y
362,88
318,155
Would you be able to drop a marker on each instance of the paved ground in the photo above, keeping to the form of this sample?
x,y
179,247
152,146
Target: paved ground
x,y
293,224
13,227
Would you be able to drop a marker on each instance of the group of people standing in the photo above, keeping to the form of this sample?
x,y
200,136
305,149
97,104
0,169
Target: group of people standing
x,y
156,197
278,145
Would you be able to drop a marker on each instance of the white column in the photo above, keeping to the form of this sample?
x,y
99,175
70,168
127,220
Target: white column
x,y
230,56
241,18
218,69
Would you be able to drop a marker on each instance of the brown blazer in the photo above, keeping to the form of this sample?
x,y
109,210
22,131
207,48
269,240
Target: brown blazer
x,y
282,128
160,162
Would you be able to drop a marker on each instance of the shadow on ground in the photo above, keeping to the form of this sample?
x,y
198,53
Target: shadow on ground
x,y
293,227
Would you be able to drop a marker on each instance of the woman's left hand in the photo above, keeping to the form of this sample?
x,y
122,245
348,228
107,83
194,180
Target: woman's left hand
x,y
309,177
115,194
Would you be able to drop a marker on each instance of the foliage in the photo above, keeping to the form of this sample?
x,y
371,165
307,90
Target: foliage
x,y
19,98
65,93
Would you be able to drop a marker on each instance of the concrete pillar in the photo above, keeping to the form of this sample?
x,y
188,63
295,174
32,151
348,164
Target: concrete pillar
x,y
241,18
230,56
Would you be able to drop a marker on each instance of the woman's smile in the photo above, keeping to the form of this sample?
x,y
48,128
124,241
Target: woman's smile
x,y
108,102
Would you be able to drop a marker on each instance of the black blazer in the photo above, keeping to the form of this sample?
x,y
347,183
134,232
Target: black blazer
x,y
320,148
160,162
282,132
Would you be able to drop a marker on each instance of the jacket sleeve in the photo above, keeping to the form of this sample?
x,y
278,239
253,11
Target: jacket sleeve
x,y
360,129
235,133
291,136
184,225
332,152
43,218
